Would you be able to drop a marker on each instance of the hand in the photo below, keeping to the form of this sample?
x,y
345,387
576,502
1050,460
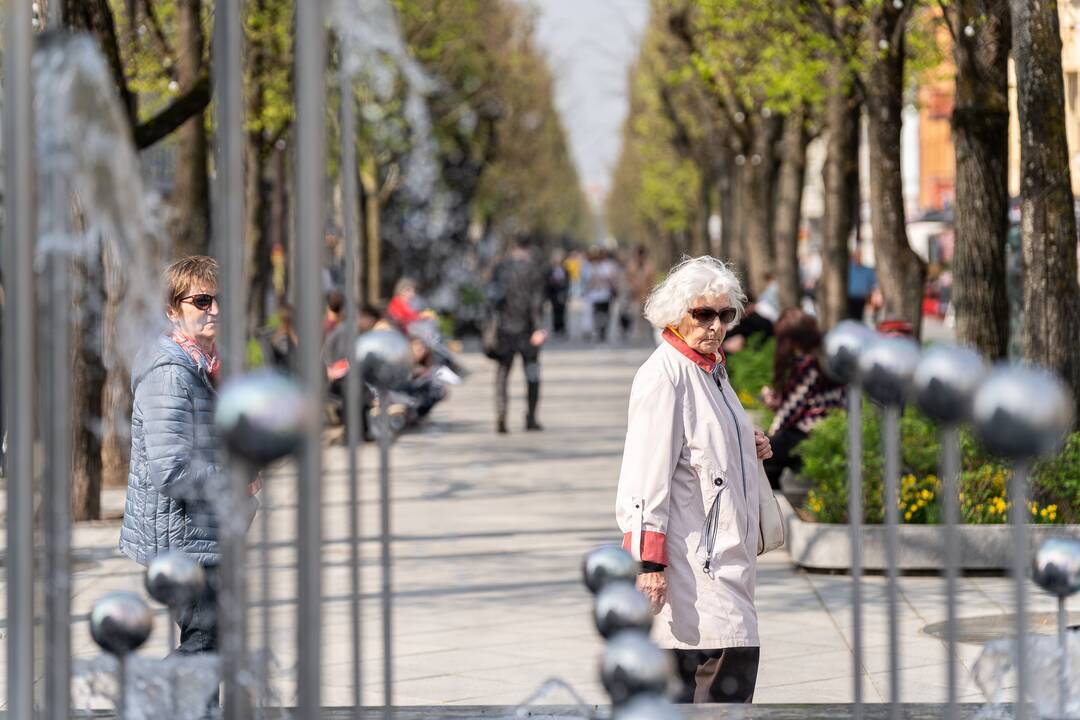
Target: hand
x,y
654,586
538,337
764,447
768,396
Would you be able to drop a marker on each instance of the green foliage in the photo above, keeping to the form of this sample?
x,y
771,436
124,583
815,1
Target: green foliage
x,y
750,370
984,480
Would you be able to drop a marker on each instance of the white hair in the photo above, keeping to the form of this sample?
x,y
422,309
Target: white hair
x,y
691,279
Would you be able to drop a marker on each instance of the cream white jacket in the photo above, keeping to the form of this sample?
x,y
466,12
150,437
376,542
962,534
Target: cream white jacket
x,y
688,497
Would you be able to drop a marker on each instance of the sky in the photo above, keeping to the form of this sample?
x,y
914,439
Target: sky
x,y
590,45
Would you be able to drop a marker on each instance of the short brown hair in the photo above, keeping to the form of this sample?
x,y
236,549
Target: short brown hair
x,y
184,273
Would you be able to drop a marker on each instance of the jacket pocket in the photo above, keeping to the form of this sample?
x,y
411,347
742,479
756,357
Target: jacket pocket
x,y
711,529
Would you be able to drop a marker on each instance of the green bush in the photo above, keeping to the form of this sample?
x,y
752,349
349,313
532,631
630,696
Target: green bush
x,y
751,369
984,479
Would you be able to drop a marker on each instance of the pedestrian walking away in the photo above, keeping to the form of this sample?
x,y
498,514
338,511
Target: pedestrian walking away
x,y
177,495
688,495
516,297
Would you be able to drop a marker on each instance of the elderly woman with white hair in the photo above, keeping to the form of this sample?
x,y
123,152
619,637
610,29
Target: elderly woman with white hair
x,y
688,498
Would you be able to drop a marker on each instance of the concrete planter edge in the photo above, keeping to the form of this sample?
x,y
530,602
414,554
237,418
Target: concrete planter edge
x,y
827,546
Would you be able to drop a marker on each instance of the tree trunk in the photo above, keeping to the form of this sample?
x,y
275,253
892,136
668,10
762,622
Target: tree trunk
x,y
841,179
900,272
88,382
1051,331
699,241
115,409
789,192
757,171
980,124
192,195
370,212
725,187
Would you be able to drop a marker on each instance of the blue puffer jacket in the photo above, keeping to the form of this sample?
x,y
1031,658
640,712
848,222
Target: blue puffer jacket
x,y
176,480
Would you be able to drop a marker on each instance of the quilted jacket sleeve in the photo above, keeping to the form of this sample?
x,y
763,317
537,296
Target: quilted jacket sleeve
x,y
169,431
654,441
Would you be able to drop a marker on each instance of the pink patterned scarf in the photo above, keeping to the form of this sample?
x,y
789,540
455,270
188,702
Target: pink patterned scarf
x,y
207,361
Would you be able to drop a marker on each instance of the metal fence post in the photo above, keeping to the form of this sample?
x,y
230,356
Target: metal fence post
x,y
352,410
19,355
228,236
310,181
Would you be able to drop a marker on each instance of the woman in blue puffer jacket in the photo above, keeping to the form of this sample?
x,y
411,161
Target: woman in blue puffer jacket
x,y
176,479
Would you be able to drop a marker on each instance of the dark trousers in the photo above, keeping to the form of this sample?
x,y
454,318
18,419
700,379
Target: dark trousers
x,y
783,444
728,675
558,317
511,345
856,306
198,621
601,312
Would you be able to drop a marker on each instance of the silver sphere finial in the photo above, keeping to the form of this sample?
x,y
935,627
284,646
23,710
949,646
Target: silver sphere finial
x,y
843,346
262,416
633,665
886,368
384,357
1057,566
120,622
174,579
620,606
1022,412
945,382
606,564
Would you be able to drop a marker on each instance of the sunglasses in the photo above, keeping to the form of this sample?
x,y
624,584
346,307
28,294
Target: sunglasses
x,y
201,301
706,315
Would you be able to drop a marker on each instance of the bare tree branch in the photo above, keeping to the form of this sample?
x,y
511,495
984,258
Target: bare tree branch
x,y
182,109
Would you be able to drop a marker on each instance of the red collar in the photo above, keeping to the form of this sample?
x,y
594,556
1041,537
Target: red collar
x,y
705,362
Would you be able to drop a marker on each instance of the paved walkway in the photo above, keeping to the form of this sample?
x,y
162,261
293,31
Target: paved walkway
x,y
490,532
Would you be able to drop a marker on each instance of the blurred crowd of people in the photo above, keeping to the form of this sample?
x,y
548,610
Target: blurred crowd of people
x,y
597,295
434,367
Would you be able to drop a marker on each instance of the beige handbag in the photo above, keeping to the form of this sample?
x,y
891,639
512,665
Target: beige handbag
x,y
770,519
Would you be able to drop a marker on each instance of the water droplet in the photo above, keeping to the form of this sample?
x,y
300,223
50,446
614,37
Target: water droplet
x,y
740,159
969,31
174,86
755,159
740,116
883,45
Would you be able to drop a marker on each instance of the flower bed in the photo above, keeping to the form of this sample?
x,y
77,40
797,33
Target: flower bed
x,y
983,493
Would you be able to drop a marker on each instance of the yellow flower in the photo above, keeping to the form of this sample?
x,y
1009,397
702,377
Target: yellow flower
x,y
907,515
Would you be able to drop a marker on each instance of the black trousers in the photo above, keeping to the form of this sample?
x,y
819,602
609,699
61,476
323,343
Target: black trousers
x,y
783,444
727,675
510,345
198,621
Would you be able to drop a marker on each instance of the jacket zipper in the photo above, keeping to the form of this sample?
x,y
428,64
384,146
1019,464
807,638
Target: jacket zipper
x,y
712,520
738,436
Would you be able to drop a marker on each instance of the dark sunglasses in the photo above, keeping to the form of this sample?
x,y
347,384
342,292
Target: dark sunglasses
x,y
706,315
201,301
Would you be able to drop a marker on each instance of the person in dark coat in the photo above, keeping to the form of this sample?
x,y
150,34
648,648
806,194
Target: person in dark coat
x,y
516,295
801,394
176,482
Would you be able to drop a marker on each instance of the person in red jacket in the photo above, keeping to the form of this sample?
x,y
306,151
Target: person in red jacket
x,y
400,311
